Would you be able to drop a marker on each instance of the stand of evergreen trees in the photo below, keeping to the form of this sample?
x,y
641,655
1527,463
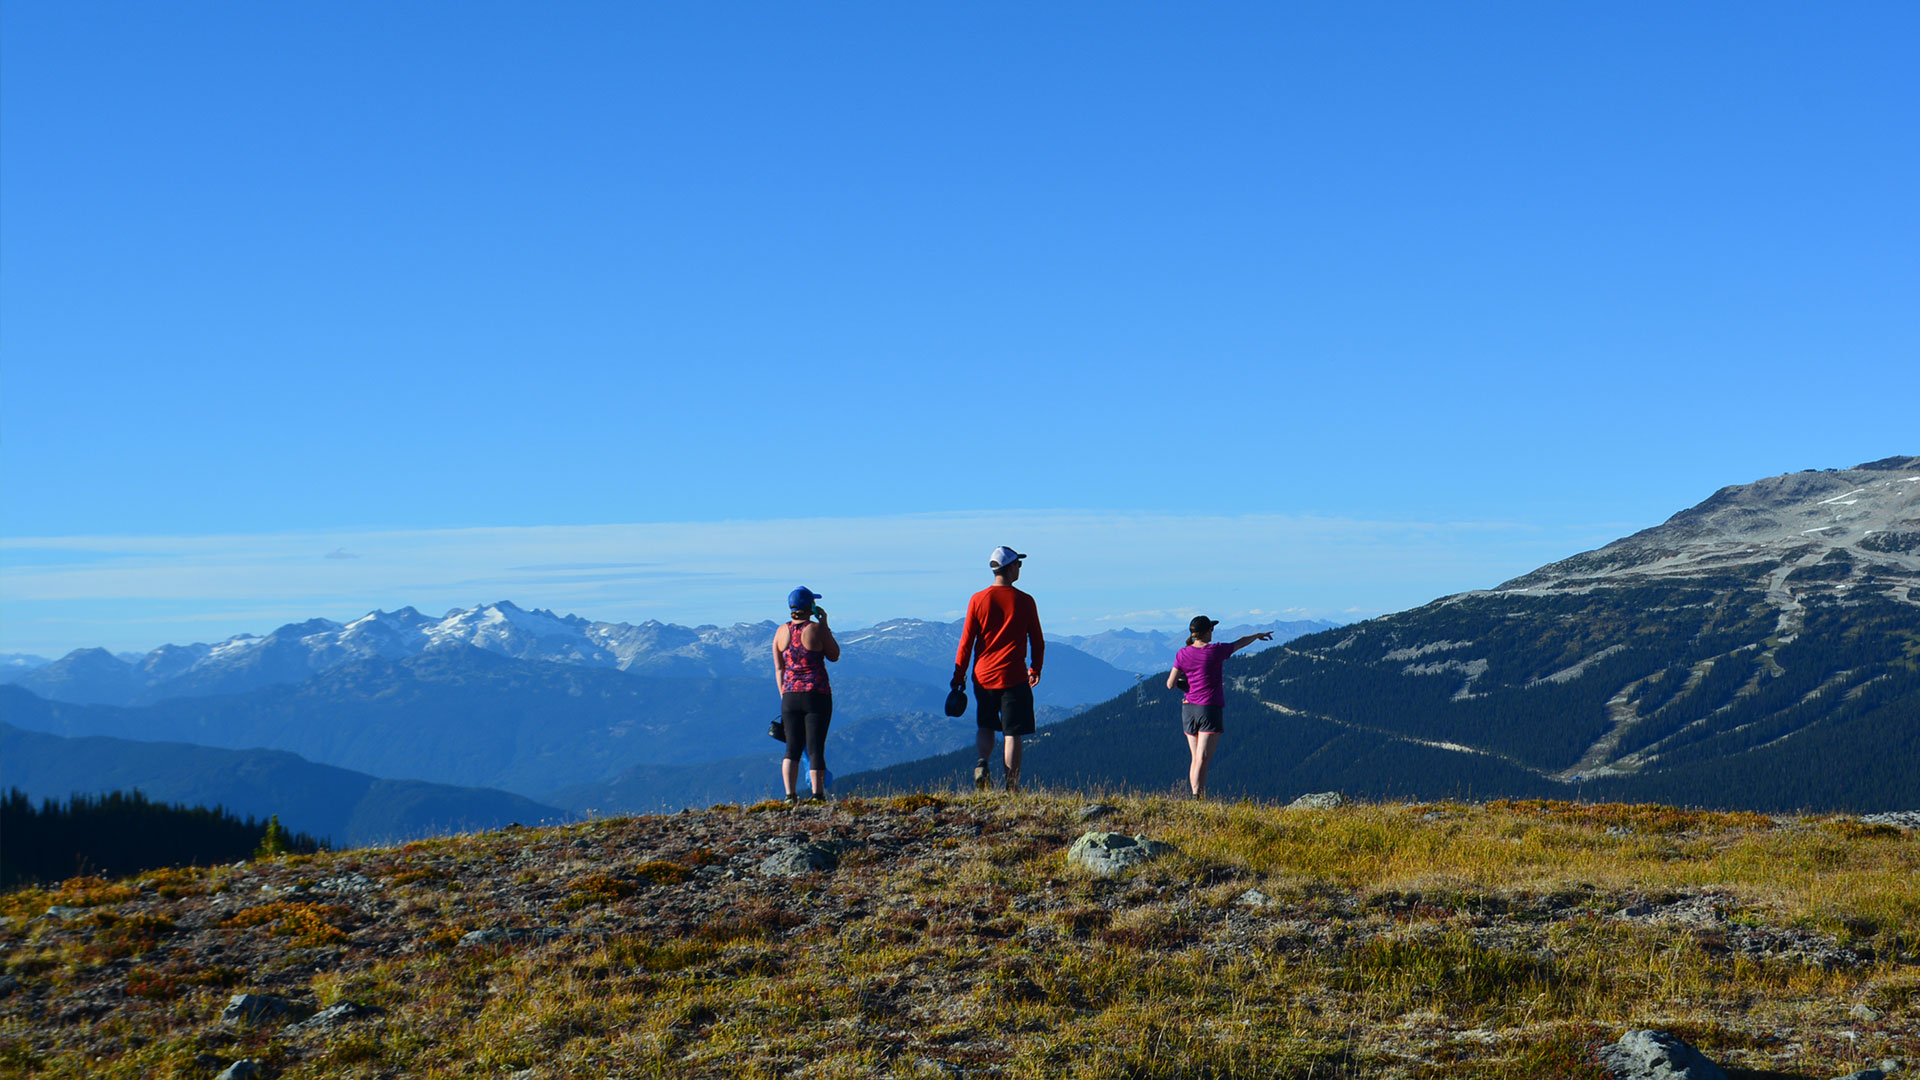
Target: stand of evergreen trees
x,y
124,832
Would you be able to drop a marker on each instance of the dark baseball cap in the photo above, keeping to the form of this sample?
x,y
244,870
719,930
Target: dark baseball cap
x,y
1201,622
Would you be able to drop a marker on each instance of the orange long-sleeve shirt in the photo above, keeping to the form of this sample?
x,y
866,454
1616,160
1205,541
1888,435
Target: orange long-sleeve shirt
x,y
1001,623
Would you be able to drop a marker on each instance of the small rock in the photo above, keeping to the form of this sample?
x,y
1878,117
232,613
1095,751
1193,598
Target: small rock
x,y
1902,819
1322,800
1107,854
1656,1055
1890,1065
799,860
350,883
244,1069
1093,811
1253,898
1862,1012
335,1016
260,1008
492,935
63,912
1619,831
944,1068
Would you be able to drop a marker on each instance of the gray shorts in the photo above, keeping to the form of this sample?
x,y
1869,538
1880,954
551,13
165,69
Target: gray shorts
x,y
1203,718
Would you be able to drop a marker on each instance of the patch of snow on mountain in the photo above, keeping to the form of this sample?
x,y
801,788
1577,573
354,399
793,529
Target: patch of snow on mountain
x,y
232,647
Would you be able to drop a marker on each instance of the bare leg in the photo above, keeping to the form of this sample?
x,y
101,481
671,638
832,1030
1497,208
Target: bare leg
x,y
819,778
1205,744
789,773
983,742
1193,764
1013,761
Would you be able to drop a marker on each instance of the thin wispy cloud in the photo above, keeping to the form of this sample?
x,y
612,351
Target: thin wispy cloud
x,y
1090,570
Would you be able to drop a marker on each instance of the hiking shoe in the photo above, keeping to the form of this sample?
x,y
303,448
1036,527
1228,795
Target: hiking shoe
x,y
792,799
982,776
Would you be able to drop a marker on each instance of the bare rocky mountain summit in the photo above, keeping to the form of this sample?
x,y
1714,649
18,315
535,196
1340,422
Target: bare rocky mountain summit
x,y
1865,519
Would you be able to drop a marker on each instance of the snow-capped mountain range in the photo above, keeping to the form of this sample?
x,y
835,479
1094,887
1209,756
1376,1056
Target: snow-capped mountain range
x,y
298,651
906,648
911,649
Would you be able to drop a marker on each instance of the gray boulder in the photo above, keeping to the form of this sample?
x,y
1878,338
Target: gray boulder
x,y
1106,853
1656,1055
1319,800
1093,812
799,860
263,1008
244,1069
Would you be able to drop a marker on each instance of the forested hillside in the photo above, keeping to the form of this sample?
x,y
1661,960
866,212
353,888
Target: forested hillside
x,y
124,832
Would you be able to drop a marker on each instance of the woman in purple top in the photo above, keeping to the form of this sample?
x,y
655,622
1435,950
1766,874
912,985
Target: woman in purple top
x,y
1196,669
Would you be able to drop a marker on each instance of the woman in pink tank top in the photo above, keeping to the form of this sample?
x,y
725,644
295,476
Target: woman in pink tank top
x,y
801,650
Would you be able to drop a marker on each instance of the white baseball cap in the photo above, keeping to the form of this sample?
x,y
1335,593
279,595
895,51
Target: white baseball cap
x,y
1003,557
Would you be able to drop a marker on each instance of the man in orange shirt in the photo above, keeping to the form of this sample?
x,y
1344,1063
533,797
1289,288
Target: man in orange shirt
x,y
1001,624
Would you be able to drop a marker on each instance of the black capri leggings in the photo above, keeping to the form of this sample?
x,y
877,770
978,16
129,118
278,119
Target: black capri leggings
x,y
806,715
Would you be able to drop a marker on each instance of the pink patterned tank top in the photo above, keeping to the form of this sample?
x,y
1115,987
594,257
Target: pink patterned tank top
x,y
806,670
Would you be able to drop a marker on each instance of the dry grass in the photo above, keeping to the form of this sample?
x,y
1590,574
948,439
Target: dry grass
x,y
1419,942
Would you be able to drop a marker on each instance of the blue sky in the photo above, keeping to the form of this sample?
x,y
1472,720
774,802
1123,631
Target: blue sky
x,y
1328,310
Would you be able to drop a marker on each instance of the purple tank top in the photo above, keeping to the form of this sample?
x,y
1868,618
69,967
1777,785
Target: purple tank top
x,y
806,670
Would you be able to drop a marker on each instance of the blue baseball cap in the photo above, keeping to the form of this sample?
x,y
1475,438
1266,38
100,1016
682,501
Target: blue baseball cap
x,y
801,599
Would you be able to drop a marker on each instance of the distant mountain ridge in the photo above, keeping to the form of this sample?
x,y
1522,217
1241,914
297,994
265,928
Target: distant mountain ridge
x,y
592,715
899,648
1758,650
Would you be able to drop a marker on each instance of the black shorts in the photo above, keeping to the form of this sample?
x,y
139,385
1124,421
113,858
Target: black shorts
x,y
806,716
1009,709
1198,719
